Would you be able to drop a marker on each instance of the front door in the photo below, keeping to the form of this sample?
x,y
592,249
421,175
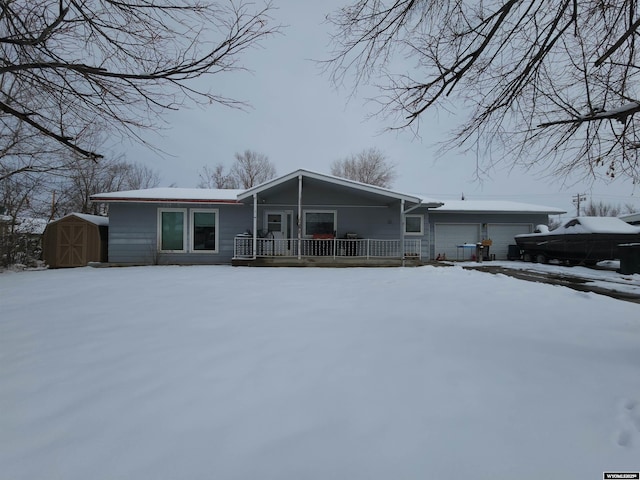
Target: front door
x,y
278,225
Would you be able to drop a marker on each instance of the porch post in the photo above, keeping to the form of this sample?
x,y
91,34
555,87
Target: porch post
x,y
255,224
402,220
299,217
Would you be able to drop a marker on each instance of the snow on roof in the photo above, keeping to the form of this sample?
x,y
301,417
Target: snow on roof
x,y
169,194
95,219
202,195
473,206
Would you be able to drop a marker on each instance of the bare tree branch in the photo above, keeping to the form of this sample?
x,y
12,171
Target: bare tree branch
x,y
66,65
515,66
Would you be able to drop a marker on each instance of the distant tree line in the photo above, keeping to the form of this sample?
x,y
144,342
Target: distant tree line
x,y
248,169
251,168
604,209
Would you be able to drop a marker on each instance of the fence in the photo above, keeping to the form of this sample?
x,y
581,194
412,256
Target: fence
x,y
337,247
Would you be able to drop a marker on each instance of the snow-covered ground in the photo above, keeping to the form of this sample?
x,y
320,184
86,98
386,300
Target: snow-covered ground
x,y
257,373
607,278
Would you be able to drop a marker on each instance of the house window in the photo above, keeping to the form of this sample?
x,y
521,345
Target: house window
x,y
413,224
319,222
274,222
204,228
172,231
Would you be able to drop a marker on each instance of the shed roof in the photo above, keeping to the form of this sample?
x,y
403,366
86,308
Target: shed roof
x,y
95,219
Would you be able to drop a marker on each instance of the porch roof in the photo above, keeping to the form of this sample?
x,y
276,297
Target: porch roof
x,y
289,179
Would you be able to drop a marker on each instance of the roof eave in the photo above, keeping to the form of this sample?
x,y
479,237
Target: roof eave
x,y
502,212
98,198
330,179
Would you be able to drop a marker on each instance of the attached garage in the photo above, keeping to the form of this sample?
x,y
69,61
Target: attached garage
x,y
502,235
449,235
460,222
75,240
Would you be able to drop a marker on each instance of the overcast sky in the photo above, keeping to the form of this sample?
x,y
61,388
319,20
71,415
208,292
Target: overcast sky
x,y
299,120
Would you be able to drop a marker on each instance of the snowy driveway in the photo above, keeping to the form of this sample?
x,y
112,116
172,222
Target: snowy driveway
x,y
604,281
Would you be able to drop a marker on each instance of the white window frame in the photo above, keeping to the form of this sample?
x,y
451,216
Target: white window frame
x,y
304,220
421,232
184,229
192,226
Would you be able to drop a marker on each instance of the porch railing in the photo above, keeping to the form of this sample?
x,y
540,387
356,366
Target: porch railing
x,y
337,247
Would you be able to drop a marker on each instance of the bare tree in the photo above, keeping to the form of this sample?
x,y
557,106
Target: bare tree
x,y
108,175
216,178
548,84
603,209
369,166
251,168
67,65
140,176
19,197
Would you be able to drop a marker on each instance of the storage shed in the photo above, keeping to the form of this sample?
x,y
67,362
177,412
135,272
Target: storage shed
x,y
75,240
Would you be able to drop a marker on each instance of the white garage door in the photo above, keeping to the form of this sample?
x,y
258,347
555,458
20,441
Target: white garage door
x,y
449,235
502,236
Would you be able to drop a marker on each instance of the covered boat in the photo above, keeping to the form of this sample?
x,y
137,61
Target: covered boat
x,y
586,240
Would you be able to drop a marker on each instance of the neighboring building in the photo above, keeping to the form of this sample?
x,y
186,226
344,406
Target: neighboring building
x,y
340,222
75,240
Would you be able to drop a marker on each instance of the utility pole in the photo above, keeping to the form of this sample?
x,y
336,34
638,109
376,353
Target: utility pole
x,y
53,206
577,198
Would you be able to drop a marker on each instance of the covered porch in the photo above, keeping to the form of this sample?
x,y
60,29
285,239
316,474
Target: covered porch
x,y
307,218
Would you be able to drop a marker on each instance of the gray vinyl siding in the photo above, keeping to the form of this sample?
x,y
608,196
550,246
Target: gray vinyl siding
x,y
134,233
133,230
381,222
320,195
133,236
367,222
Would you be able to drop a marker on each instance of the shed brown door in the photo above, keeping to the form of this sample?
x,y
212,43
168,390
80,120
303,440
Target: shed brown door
x,y
72,245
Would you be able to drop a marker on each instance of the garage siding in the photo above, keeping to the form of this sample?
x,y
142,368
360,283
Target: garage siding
x,y
502,237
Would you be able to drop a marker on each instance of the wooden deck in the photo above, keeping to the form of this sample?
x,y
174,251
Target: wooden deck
x,y
336,262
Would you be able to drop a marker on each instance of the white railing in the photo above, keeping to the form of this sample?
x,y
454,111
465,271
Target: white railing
x,y
337,247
